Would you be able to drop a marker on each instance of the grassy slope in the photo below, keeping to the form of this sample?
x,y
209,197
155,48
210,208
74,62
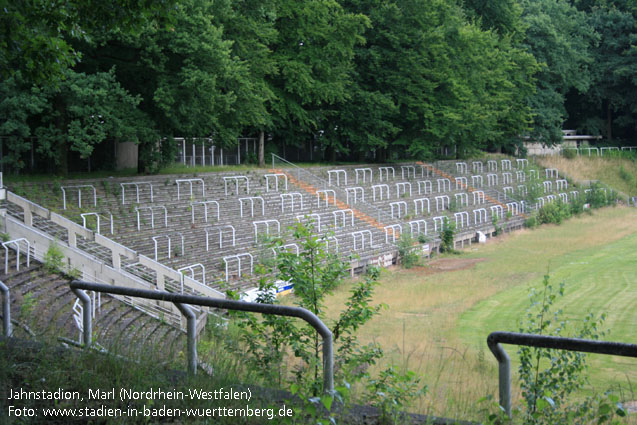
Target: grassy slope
x,y
436,324
607,170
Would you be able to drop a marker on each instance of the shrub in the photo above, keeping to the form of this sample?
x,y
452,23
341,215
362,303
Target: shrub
x,y
569,153
447,236
495,222
406,251
549,377
554,212
53,259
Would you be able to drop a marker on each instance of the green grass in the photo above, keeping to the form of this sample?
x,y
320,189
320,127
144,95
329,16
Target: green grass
x,y
600,279
437,323
620,173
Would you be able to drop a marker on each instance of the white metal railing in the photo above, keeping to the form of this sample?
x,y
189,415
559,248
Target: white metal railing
x,y
191,268
267,223
365,172
417,223
136,184
342,214
79,194
426,184
336,173
408,168
463,215
462,198
190,182
220,229
237,258
386,170
446,184
479,216
236,180
401,206
394,229
251,199
16,244
311,216
205,209
276,177
362,234
404,186
291,197
355,190
152,215
382,188
421,203
97,217
326,195
440,202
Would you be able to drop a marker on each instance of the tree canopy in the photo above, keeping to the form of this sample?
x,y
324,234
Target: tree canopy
x,y
361,79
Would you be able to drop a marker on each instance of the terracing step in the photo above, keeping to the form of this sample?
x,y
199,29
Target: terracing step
x,y
313,191
469,188
43,301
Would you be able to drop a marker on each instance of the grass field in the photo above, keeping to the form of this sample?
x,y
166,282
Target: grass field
x,y
618,173
437,321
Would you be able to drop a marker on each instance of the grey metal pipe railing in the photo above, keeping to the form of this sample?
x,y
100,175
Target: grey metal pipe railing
x,y
87,325
279,310
191,332
541,341
6,309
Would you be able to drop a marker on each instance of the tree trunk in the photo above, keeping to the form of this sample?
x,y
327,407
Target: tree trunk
x,y
261,149
609,122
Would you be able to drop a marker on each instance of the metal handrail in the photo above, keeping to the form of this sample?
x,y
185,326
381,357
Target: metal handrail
x,y
6,309
181,301
495,339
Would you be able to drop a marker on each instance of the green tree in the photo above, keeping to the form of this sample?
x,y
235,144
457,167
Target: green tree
x,y
560,38
19,102
427,79
315,273
37,35
608,108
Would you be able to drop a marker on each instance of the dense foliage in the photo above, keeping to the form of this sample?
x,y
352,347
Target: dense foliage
x,y
360,79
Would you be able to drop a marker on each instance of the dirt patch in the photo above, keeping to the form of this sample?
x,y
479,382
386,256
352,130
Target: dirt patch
x,y
441,265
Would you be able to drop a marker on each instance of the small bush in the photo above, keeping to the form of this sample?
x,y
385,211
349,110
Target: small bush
x,y
625,175
554,212
53,259
569,153
447,236
406,253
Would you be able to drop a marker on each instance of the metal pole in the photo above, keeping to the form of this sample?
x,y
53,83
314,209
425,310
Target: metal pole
x,y
6,309
504,376
280,310
87,326
191,336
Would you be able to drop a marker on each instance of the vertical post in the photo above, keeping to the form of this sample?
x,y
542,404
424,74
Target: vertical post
x,y
87,326
6,309
504,377
191,336
328,363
